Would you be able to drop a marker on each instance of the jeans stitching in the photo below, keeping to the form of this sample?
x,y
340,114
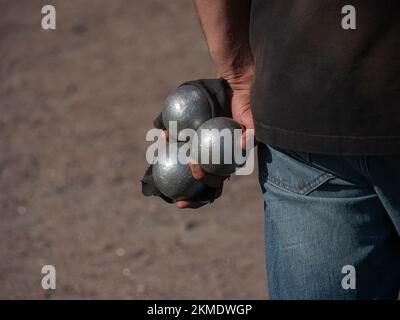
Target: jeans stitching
x,y
307,188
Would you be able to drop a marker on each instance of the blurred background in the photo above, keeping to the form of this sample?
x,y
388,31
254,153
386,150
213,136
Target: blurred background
x,y
75,105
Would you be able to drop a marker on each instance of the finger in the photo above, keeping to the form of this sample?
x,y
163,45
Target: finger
x,y
246,138
210,180
246,119
187,204
165,135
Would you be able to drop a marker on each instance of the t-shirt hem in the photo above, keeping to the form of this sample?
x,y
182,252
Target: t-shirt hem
x,y
327,144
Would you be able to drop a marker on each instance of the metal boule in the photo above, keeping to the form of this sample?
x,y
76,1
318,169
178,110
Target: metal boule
x,y
188,106
208,140
174,179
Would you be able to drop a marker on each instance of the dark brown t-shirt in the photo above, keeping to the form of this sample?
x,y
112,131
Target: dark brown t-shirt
x,y
321,88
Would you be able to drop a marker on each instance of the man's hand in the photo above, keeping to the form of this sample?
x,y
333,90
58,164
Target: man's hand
x,y
213,181
226,27
210,180
240,85
240,103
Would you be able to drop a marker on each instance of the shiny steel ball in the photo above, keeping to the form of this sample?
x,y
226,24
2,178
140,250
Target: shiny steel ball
x,y
209,142
188,106
175,180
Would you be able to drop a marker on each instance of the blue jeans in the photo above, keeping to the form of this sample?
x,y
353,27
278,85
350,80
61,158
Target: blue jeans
x,y
332,225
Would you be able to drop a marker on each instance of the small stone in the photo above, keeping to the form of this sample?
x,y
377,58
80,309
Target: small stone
x,y
120,252
126,272
21,210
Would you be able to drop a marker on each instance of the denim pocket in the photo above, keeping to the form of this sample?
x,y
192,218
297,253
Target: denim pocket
x,y
290,171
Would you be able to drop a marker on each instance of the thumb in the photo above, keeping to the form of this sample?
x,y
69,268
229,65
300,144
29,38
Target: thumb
x,y
247,122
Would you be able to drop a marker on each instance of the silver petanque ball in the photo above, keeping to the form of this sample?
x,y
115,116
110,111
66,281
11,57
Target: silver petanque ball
x,y
188,106
175,180
210,141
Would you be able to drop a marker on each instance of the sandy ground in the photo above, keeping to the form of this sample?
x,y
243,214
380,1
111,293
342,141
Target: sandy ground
x,y
75,107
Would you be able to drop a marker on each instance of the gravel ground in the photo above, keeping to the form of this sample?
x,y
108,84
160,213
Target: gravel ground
x,y
75,106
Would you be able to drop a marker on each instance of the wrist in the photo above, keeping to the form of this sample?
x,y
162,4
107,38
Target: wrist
x,y
237,78
236,66
233,61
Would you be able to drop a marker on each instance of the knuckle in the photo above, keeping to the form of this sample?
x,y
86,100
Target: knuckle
x,y
197,173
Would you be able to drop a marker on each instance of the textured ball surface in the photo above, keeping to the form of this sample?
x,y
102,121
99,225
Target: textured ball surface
x,y
188,106
175,180
209,142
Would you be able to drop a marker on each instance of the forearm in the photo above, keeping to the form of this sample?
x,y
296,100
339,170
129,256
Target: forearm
x,y
225,24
